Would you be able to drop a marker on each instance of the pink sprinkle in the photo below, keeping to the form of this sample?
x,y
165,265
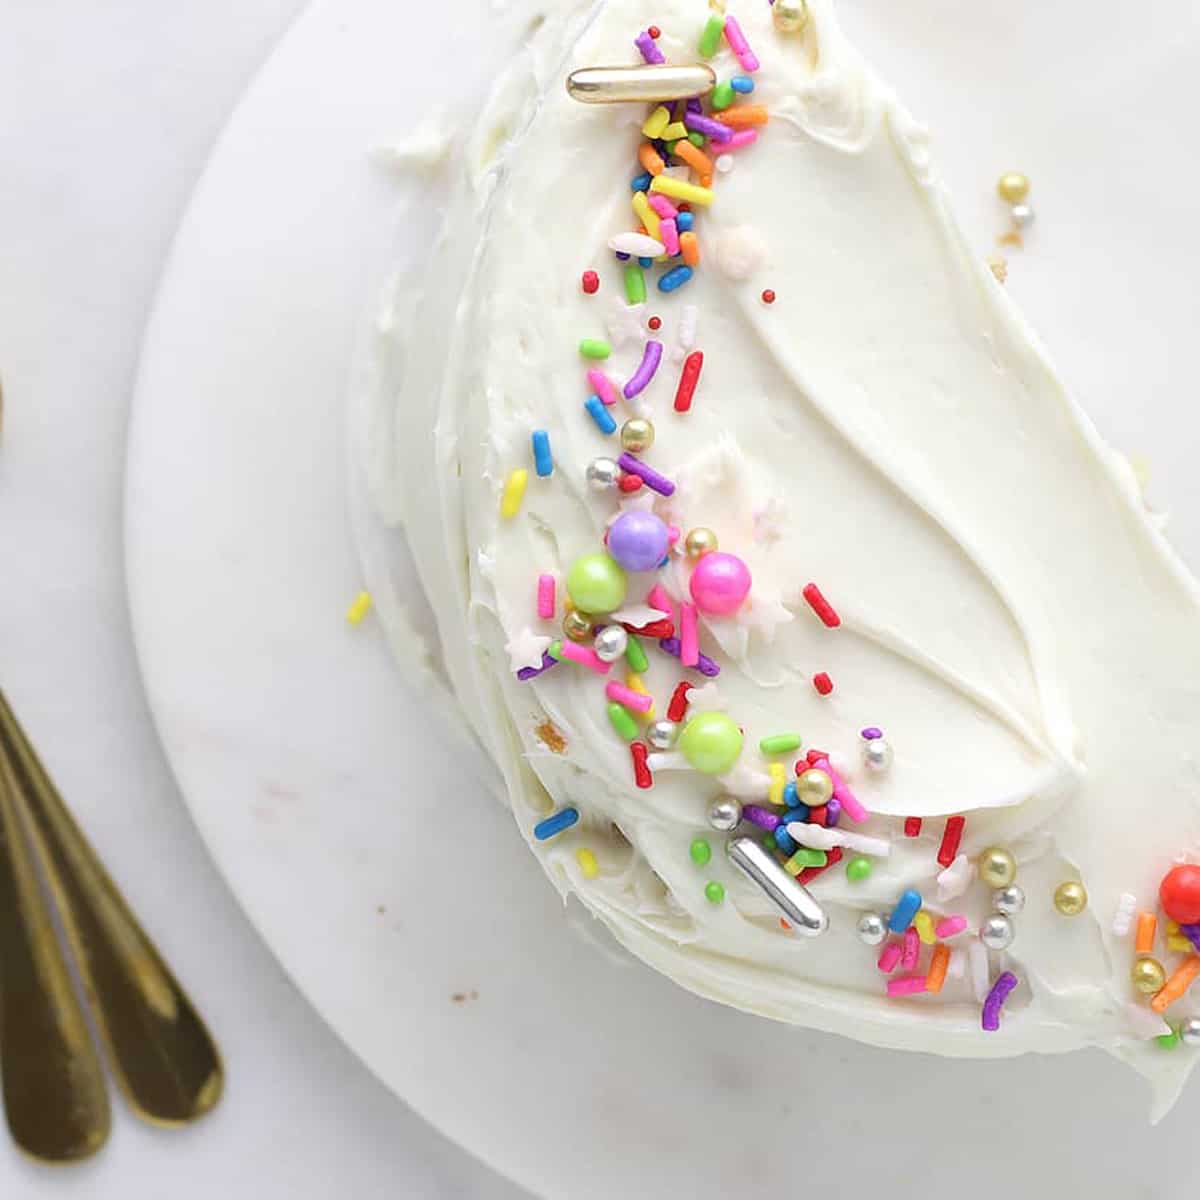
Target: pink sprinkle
x,y
889,957
947,927
545,594
658,598
628,697
850,803
602,385
740,47
912,946
662,206
689,636
585,656
743,137
669,233
910,985
674,533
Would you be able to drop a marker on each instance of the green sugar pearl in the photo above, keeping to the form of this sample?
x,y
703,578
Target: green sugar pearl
x,y
635,656
714,892
780,743
594,348
622,722
858,869
635,284
700,851
710,38
722,95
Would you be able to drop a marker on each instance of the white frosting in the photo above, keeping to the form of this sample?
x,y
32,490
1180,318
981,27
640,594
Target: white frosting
x,y
890,429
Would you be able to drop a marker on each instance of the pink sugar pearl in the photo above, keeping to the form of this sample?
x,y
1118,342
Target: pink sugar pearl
x,y
720,583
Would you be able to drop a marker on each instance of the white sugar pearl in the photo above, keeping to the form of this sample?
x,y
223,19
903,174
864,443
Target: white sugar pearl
x,y
610,643
603,473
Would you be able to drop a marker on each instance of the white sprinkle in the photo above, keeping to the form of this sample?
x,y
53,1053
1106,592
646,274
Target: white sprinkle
x,y
667,760
980,974
955,879
819,838
1123,917
956,968
640,245
705,699
686,336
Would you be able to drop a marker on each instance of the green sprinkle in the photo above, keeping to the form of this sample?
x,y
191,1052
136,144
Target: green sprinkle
x,y
714,892
700,851
768,840
635,284
594,348
858,869
635,656
670,147
806,857
722,95
1168,1041
622,722
710,39
697,139
555,651
780,743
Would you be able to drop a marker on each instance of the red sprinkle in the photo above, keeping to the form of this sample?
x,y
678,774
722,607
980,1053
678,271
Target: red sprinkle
x,y
591,282
654,32
809,873
629,483
912,826
688,380
950,839
768,297
818,815
655,323
656,629
821,606
813,756
641,772
822,683
679,702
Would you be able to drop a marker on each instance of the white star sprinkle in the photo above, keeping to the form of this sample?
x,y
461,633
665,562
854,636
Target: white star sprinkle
x,y
769,522
525,649
765,614
625,322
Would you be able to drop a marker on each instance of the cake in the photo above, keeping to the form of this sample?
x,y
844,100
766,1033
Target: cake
x,y
828,655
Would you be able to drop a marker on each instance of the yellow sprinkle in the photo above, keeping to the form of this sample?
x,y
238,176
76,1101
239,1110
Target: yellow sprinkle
x,y
778,780
674,131
656,122
514,493
680,189
923,923
1178,942
633,681
647,215
587,863
1172,926
359,609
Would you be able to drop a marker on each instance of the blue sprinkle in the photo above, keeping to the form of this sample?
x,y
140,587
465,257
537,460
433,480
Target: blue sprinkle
x,y
555,824
600,414
906,908
790,799
665,561
543,460
645,262
684,222
676,277
641,183
799,813
784,840
742,84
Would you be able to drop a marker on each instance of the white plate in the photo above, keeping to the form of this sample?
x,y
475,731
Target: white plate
x,y
367,852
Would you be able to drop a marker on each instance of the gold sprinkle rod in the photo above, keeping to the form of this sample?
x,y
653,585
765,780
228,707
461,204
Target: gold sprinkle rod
x,y
618,85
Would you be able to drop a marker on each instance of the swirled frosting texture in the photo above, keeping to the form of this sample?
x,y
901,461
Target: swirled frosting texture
x,y
889,428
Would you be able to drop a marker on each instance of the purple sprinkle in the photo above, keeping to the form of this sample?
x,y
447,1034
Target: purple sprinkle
x,y
645,372
650,51
833,812
527,673
995,999
1192,933
650,477
761,817
707,126
622,256
694,105
871,733
705,666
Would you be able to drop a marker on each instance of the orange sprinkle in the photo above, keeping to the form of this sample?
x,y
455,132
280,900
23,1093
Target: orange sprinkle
x,y
690,246
936,975
706,181
650,159
744,116
1147,925
694,157
1179,983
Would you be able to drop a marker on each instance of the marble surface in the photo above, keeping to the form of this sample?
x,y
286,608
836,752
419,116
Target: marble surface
x,y
107,115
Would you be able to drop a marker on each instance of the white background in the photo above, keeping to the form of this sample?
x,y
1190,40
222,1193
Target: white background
x,y
107,114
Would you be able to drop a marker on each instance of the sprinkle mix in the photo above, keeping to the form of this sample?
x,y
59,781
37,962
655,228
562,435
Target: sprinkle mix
x,y
794,829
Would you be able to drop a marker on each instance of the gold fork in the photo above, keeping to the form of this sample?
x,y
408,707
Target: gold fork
x,y
158,1048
